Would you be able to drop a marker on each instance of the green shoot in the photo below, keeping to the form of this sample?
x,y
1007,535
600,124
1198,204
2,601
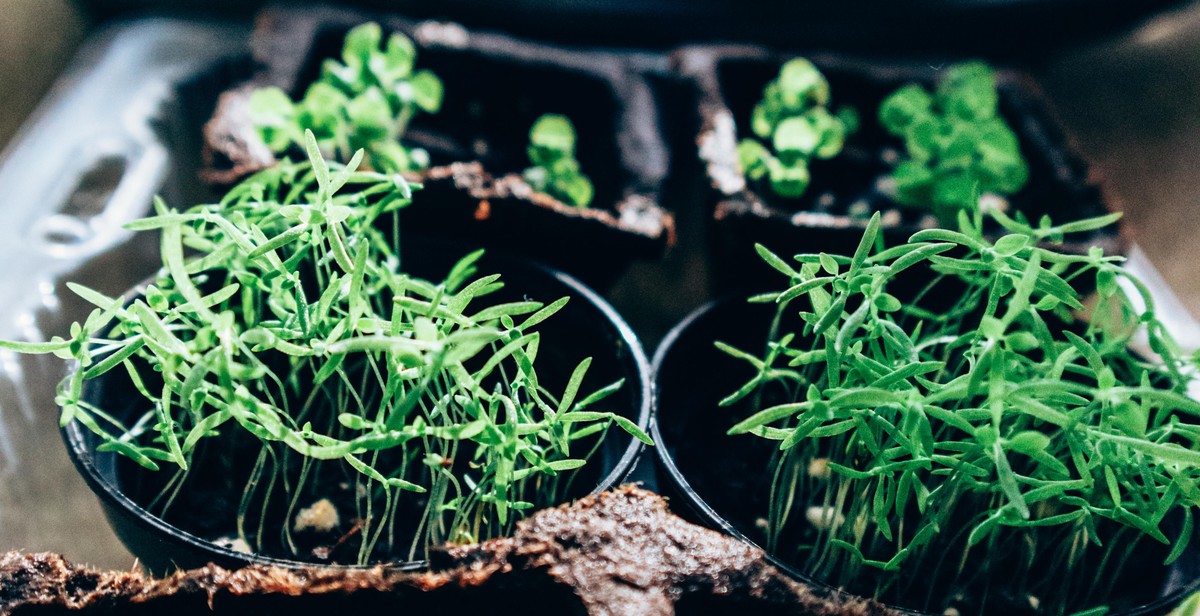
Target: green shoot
x,y
365,102
793,117
555,170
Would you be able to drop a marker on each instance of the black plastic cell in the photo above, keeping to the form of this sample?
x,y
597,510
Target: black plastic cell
x,y
729,81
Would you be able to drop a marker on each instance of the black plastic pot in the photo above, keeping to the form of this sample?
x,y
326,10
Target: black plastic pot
x,y
587,326
729,81
723,480
496,86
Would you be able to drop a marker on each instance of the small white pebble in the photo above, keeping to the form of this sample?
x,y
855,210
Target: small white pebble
x,y
321,516
237,544
442,33
886,185
859,209
818,468
762,523
824,518
992,201
1034,602
950,612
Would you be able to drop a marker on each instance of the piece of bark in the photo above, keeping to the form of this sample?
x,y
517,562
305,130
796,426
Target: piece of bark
x,y
621,553
233,148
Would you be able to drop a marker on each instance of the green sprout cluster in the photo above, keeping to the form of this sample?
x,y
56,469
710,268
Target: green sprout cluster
x,y
942,407
365,102
957,145
552,154
793,117
282,316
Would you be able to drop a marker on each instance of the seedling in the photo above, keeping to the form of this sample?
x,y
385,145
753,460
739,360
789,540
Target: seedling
x,y
555,170
793,117
946,424
293,326
365,102
957,145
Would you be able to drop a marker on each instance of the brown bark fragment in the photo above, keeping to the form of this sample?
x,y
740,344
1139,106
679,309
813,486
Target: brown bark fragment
x,y
621,553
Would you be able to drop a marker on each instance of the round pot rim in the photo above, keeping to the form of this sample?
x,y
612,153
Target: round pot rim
x,y
82,456
714,519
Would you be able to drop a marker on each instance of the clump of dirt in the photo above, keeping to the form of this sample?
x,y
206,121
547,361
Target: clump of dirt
x,y
619,553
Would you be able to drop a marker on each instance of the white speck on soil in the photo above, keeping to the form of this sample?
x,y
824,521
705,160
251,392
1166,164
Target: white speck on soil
x,y
886,185
992,201
818,468
321,516
442,33
718,148
824,518
237,544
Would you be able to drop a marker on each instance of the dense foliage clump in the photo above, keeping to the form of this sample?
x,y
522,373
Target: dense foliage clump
x,y
552,154
291,326
956,143
365,102
942,407
793,117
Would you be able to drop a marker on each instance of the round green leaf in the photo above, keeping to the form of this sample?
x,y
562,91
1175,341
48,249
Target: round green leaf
x,y
788,180
903,107
800,81
427,91
553,132
797,137
361,42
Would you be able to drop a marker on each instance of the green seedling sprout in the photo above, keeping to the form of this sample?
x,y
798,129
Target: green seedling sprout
x,y
972,434
956,143
291,322
794,120
365,102
552,154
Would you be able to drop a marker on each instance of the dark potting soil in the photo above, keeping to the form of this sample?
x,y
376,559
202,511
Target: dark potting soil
x,y
733,475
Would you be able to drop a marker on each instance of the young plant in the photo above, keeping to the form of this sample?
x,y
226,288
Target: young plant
x,y
411,412
555,170
793,117
364,102
957,144
951,433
